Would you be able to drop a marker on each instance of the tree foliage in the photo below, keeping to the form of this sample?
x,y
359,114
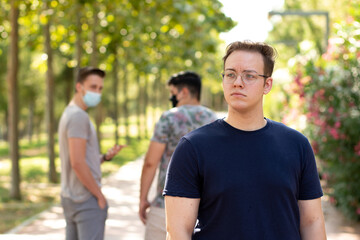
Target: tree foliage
x,y
327,91
289,31
147,40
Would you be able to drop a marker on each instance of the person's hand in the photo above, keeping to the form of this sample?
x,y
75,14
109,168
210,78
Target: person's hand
x,y
102,201
143,206
113,151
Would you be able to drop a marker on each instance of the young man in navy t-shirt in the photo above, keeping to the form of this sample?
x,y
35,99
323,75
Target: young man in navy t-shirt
x,y
244,176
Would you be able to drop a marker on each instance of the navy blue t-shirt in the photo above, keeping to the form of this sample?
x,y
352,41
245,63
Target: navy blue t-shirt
x,y
248,182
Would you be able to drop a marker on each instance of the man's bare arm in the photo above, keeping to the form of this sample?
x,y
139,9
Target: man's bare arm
x,y
312,224
77,149
181,215
151,162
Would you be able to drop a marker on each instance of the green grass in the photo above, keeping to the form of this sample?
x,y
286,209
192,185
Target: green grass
x,y
14,214
37,193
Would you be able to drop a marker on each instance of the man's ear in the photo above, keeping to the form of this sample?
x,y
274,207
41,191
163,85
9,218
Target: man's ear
x,y
78,87
185,91
268,85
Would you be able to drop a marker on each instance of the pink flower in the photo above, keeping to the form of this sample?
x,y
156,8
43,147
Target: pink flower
x,y
319,122
338,124
334,133
315,147
331,110
332,200
358,211
350,19
357,148
325,176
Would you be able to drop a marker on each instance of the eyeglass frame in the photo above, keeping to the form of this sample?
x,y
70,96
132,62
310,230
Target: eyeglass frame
x,y
241,75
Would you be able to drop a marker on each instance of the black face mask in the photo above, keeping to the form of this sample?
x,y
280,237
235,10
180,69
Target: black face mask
x,y
173,100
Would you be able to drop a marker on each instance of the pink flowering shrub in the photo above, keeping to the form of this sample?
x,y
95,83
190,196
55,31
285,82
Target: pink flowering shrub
x,y
329,92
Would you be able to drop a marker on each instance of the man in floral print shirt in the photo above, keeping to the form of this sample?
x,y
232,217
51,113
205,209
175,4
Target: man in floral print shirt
x,y
187,115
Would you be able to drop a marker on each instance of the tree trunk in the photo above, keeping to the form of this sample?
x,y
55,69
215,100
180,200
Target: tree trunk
x,y
31,121
69,84
142,105
78,50
38,130
146,102
138,105
94,54
158,97
12,70
115,89
125,106
6,128
50,120
165,95
94,62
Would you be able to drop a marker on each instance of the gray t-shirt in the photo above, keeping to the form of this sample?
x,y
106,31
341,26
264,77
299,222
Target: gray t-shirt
x,y
75,123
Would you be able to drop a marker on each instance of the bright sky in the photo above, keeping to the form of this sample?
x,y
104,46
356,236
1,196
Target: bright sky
x,y
251,17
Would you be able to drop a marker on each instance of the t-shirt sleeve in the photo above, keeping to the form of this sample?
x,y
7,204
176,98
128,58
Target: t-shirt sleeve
x,y
310,187
183,179
78,126
162,130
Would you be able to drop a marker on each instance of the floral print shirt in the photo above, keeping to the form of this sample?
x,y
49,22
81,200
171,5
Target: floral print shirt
x,y
170,128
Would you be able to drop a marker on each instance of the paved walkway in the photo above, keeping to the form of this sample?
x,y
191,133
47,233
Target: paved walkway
x,y
122,190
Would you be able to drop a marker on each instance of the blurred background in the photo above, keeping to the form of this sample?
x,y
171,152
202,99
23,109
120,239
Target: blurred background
x,y
140,44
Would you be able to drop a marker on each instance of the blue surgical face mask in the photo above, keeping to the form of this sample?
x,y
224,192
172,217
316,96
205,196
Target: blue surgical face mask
x,y
91,99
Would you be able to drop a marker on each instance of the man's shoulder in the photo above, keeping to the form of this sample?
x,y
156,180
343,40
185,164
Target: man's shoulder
x,y
207,131
74,113
187,110
286,131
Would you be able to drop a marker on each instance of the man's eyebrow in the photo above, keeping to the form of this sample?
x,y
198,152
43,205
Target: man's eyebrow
x,y
250,71
231,69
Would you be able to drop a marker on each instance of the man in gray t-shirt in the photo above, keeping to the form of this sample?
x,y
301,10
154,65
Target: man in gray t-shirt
x,y
85,207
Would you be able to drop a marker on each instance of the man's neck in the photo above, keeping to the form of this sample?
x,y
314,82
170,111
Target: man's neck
x,y
247,121
190,101
78,101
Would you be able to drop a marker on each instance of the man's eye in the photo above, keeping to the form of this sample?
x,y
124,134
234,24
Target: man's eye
x,y
230,75
250,76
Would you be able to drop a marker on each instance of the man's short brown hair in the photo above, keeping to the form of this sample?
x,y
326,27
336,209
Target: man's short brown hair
x,y
268,53
86,71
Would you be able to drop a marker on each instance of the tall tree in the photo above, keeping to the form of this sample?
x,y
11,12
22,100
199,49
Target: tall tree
x,y
50,120
13,118
78,46
94,62
115,92
125,103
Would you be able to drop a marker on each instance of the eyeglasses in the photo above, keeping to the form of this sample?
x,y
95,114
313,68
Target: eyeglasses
x,y
249,77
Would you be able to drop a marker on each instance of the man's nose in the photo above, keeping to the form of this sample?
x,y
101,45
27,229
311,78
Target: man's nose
x,y
239,81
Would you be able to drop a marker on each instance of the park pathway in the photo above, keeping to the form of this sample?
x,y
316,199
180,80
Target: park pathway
x,y
122,191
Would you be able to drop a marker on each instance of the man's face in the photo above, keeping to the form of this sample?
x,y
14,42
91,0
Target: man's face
x,y
175,95
92,83
173,90
241,96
